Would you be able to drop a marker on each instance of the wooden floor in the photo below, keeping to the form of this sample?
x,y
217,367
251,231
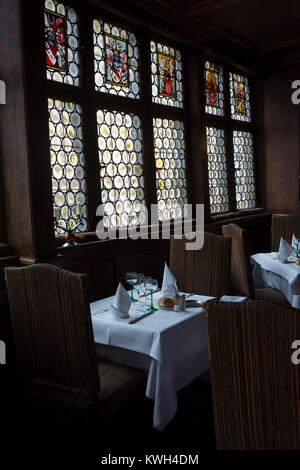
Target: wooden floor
x,y
191,432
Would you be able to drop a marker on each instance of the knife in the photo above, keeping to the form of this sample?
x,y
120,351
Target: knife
x,y
140,318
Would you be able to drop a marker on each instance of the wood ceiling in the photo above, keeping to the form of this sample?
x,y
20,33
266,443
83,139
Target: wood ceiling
x,y
261,28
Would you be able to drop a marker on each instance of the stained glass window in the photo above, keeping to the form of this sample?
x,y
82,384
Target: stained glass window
x,y
244,170
62,43
239,97
67,163
116,56
169,152
121,163
217,170
166,68
214,91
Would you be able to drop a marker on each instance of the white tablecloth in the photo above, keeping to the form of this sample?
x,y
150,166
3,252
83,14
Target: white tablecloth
x,y
170,346
269,271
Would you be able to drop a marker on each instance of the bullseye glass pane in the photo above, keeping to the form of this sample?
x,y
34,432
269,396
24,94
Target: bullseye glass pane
x,y
167,75
116,60
244,170
169,153
67,164
217,170
239,97
214,89
62,43
121,168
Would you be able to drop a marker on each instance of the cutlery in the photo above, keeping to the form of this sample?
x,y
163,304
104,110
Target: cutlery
x,y
135,320
194,303
189,295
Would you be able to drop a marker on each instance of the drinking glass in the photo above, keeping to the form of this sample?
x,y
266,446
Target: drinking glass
x,y
139,285
152,284
144,287
132,279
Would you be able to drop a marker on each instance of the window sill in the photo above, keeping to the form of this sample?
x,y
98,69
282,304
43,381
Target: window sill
x,y
237,214
90,238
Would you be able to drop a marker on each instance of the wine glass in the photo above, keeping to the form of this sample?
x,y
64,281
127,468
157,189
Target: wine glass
x,y
144,286
132,279
152,285
140,283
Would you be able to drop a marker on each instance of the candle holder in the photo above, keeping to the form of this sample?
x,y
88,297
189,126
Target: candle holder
x,y
69,232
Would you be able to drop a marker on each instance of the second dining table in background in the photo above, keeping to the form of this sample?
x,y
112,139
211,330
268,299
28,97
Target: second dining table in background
x,y
270,271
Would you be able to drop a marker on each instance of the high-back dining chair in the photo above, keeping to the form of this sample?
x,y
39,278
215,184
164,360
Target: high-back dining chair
x,y
241,276
284,225
255,384
205,271
55,346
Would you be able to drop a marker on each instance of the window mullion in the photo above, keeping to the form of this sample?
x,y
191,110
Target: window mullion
x,y
92,167
147,122
231,170
229,144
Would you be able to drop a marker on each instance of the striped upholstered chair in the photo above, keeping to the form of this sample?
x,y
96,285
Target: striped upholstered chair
x,y
205,271
241,276
55,347
284,225
255,384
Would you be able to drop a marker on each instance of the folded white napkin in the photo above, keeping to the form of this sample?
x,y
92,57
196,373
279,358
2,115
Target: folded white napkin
x,y
295,242
121,303
285,250
169,285
232,298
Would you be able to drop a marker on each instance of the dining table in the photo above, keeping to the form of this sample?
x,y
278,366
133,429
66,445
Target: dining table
x,y
270,271
171,347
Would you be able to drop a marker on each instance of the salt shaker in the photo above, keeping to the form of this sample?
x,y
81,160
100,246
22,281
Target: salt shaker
x,y
182,303
179,303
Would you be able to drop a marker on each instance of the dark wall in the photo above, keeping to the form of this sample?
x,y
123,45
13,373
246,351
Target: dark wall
x,y
281,141
13,141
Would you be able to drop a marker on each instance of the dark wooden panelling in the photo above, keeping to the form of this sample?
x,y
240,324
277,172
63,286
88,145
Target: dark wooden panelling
x,y
37,162
13,139
8,371
258,229
281,141
105,263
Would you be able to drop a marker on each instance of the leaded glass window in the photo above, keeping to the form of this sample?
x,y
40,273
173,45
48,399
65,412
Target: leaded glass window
x,y
169,152
67,163
121,168
239,97
217,170
214,91
116,56
166,71
244,170
62,43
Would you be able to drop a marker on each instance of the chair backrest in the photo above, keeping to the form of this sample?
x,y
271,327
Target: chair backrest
x,y
284,225
255,384
205,271
52,327
241,277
